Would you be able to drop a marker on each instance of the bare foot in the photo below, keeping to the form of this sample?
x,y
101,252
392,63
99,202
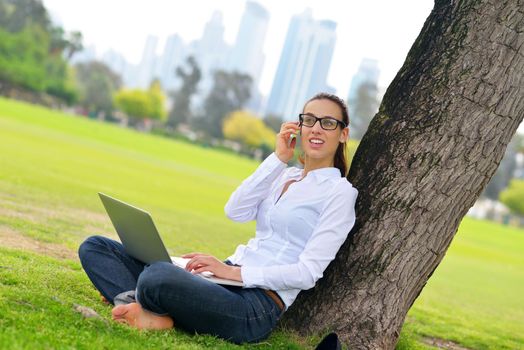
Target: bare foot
x,y
104,300
133,315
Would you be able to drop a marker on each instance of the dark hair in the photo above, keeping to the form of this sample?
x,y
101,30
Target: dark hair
x,y
340,158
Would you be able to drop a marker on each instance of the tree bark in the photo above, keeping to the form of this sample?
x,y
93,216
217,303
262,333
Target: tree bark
x,y
440,133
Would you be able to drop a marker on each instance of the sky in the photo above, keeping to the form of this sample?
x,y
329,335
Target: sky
x,y
379,29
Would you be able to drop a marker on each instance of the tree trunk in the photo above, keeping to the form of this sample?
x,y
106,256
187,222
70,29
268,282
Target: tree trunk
x,y
439,135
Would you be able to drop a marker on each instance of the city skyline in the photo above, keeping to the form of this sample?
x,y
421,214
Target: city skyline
x,y
303,65
73,17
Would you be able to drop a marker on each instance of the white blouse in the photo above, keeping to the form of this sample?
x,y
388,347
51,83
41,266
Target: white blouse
x,y
298,235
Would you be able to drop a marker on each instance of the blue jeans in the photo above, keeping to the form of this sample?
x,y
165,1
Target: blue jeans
x,y
196,305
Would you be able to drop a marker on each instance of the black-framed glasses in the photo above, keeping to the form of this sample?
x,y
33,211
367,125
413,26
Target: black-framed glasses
x,y
327,123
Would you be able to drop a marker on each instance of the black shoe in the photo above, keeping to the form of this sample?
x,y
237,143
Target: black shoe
x,y
330,342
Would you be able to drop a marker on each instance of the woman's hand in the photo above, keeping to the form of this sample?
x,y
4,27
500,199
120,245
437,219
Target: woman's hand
x,y
282,150
204,262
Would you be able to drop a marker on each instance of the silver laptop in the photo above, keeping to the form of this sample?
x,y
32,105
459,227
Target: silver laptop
x,y
136,230
141,239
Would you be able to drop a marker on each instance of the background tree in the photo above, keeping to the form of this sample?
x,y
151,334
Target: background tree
x,y
231,91
513,196
363,108
248,129
74,43
274,122
133,102
504,173
181,111
97,84
31,51
21,57
15,15
142,104
157,101
58,42
438,137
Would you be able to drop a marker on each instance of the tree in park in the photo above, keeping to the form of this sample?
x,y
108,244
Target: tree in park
x,y
97,84
364,106
274,122
31,51
15,15
181,111
438,137
246,128
157,100
142,104
504,172
230,92
513,196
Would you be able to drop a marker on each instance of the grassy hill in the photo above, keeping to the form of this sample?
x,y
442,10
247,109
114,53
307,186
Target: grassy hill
x,y
51,167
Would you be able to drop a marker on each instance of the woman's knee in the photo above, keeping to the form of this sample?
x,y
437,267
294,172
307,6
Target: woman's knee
x,y
90,245
154,283
156,276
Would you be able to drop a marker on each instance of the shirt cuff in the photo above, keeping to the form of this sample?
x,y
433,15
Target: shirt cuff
x,y
252,276
274,161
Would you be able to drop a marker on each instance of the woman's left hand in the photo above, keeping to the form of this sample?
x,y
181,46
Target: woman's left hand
x,y
204,262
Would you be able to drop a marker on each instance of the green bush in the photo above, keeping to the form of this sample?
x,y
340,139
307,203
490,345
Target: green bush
x,y
32,50
513,196
23,58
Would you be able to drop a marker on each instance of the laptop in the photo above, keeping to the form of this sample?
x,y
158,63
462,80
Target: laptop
x,y
141,239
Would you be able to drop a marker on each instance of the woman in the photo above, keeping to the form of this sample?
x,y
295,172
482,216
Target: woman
x,y
303,217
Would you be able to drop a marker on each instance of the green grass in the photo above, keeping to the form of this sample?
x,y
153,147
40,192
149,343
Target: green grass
x,y
51,167
37,299
476,295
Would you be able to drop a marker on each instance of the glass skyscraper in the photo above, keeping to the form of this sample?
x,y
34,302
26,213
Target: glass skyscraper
x,y
304,65
247,55
368,72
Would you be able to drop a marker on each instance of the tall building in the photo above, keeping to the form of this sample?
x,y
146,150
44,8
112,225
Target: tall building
x,y
211,46
368,72
173,56
363,100
304,65
247,54
211,53
148,63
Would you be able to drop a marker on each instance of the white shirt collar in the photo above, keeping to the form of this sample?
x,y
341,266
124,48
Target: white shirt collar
x,y
320,175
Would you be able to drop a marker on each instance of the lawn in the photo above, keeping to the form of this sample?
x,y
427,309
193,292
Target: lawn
x,y
476,295
51,167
